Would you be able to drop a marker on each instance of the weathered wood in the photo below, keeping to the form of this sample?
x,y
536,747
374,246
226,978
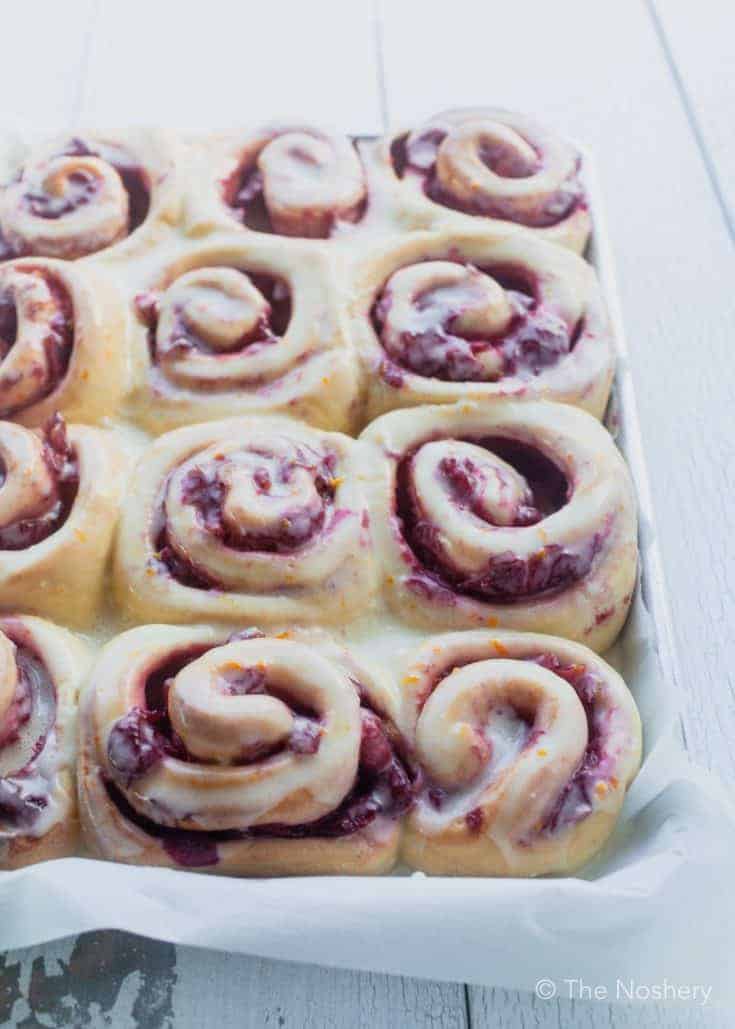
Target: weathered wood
x,y
229,64
604,73
699,49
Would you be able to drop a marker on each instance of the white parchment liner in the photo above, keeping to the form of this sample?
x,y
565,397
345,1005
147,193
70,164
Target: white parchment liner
x,y
657,906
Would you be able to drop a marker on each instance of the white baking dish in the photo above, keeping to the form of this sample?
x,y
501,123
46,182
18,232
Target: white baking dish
x,y
657,906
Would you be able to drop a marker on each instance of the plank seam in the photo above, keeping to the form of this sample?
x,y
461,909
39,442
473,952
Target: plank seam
x,y
84,63
377,19
692,118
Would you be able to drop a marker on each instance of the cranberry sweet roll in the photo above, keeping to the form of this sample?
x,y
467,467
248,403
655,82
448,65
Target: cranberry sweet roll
x,y
62,342
257,755
70,198
41,668
519,514
242,328
289,180
483,165
257,519
440,317
527,745
59,495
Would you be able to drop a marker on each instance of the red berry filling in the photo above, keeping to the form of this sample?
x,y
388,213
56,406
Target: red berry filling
x,y
82,187
576,801
270,328
62,463
419,159
134,178
385,786
57,344
507,577
243,194
23,789
205,490
535,339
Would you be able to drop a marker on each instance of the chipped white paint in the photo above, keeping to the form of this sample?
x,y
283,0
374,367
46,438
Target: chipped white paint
x,y
653,97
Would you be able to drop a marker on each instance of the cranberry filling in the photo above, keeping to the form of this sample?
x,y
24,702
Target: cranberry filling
x,y
204,490
144,736
576,800
419,159
534,340
57,343
82,187
243,194
466,480
270,328
134,178
62,463
386,785
8,323
23,792
507,577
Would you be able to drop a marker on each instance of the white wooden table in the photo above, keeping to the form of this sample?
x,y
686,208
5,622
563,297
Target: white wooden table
x,y
650,86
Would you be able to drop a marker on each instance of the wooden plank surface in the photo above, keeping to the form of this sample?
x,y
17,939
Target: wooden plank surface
x,y
42,67
700,49
227,63
625,83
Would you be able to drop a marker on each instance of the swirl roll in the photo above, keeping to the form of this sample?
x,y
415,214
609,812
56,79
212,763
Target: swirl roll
x,y
59,496
290,180
527,745
248,518
442,317
483,165
519,514
232,329
41,668
70,198
253,755
62,342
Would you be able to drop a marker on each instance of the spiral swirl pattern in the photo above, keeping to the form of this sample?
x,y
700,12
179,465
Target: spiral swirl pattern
x,y
527,743
40,670
292,181
489,164
453,316
245,519
220,753
59,492
57,325
227,331
76,197
520,515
